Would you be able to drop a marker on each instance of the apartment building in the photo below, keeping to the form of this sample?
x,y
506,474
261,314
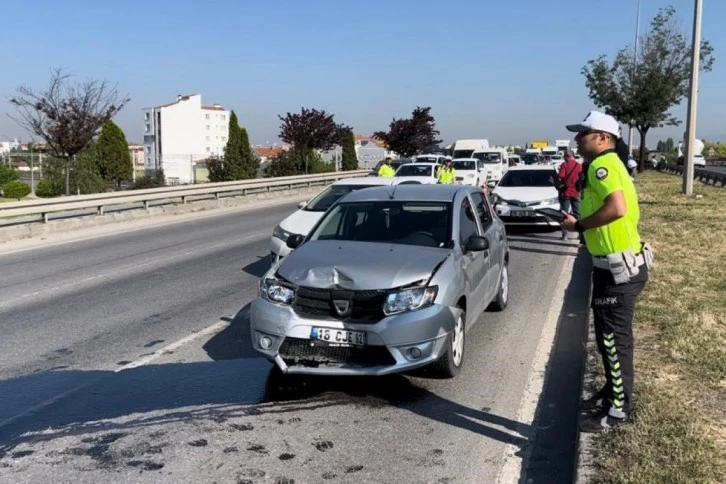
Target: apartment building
x,y
179,134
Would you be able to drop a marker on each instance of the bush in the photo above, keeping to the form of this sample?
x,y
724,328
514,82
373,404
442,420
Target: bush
x,y
7,175
16,189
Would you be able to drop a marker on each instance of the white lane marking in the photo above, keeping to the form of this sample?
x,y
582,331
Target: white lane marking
x,y
512,467
213,329
129,269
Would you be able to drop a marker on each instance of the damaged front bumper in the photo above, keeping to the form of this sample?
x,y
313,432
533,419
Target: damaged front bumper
x,y
394,344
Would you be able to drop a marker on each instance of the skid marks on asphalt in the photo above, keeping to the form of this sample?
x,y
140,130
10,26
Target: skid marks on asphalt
x,y
246,443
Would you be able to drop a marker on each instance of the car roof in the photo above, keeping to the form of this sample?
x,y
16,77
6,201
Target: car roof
x,y
420,163
530,167
410,193
466,159
366,180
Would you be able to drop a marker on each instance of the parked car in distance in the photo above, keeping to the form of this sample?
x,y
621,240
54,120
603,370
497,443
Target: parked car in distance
x,y
390,279
523,189
469,171
417,173
395,164
308,213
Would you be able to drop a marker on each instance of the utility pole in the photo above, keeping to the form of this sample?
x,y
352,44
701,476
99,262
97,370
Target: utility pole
x,y
692,102
635,64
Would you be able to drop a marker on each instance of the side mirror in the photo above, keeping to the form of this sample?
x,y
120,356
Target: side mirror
x,y
477,243
302,204
295,240
491,184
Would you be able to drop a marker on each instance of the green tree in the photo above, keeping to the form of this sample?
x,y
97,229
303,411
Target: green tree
x,y
85,177
411,136
68,117
250,163
640,92
232,167
349,160
215,165
7,174
113,157
16,189
308,131
292,163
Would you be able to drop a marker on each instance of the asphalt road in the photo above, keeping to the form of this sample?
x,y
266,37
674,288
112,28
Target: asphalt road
x,y
127,358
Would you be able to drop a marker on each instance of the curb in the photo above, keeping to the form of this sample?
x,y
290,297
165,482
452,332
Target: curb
x,y
586,462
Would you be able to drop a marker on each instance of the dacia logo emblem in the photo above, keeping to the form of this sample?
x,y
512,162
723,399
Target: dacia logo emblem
x,y
342,307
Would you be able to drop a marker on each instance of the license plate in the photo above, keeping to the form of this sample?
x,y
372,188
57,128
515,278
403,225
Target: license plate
x,y
338,337
520,213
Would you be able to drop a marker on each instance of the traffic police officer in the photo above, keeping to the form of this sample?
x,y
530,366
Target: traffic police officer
x,y
609,223
446,173
386,170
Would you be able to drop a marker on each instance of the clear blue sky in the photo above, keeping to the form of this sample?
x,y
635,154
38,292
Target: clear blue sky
x,y
507,71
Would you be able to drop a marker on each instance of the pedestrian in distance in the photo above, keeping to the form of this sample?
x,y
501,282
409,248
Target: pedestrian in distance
x,y
609,223
447,173
569,187
386,170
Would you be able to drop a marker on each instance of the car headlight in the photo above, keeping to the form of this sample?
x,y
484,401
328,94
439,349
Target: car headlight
x,y
274,291
550,201
409,300
281,233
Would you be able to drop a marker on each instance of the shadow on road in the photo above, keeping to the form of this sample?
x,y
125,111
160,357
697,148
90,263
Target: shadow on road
x,y
236,384
259,267
552,453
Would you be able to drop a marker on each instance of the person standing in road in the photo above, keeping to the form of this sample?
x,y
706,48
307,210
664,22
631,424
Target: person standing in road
x,y
569,190
609,223
386,170
447,173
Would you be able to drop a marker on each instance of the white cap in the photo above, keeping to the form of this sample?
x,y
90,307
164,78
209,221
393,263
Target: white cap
x,y
597,121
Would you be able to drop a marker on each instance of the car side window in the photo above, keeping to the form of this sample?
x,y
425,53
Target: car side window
x,y
467,223
482,209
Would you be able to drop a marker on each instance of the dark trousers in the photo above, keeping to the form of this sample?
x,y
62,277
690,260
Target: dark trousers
x,y
567,203
613,309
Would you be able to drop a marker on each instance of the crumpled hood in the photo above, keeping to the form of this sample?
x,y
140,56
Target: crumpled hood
x,y
359,265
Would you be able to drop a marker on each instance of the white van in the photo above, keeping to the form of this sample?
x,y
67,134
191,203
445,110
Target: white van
x,y
495,161
465,148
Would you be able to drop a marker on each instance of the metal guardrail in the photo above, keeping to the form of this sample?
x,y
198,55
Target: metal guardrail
x,y
169,194
706,176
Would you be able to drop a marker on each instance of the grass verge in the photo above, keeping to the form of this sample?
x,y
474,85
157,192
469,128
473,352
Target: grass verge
x,y
678,434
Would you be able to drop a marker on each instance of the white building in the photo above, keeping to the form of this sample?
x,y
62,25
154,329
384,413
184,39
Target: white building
x,y
178,134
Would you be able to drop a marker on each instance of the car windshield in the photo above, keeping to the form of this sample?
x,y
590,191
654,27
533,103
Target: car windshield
x,y
325,199
413,169
530,158
426,159
528,178
463,153
426,224
492,158
464,165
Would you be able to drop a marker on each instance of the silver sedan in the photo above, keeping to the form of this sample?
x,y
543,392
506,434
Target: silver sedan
x,y
389,280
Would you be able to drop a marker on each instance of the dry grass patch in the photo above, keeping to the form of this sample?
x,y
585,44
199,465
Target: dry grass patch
x,y
680,328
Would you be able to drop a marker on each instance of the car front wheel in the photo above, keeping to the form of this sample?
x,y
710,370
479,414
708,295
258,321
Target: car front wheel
x,y
449,365
502,299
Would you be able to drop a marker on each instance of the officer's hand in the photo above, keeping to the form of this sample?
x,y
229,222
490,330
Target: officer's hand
x,y
569,222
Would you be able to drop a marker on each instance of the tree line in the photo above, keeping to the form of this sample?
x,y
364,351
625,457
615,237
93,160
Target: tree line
x,y
639,91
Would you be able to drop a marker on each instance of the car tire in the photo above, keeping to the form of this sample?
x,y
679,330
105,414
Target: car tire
x,y
502,299
450,363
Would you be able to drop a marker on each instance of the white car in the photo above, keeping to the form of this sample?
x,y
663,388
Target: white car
x,y
308,214
523,189
417,173
467,171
